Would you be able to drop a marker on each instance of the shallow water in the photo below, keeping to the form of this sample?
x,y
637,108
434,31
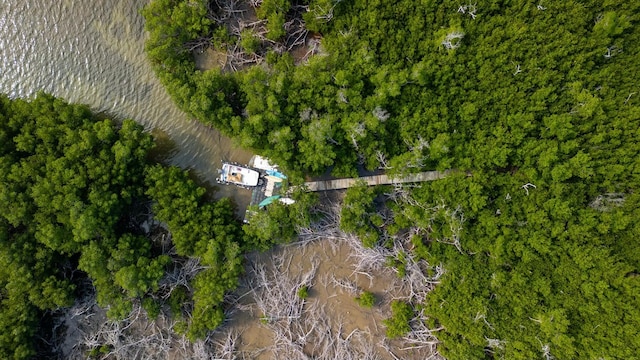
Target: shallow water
x,y
92,52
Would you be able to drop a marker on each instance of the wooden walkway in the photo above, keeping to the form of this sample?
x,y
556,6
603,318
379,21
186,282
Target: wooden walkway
x,y
375,180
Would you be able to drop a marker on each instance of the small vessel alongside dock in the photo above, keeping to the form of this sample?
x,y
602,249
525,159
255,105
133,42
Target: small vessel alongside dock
x,y
239,175
274,180
263,179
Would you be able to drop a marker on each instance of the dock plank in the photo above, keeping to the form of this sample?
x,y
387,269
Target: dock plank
x,y
383,179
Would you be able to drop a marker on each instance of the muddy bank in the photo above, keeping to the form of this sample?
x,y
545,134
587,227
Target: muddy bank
x,y
268,317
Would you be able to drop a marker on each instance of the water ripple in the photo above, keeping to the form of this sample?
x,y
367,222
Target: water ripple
x,y
92,52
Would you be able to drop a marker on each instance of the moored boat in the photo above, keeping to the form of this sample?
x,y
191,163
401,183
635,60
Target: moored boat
x,y
238,175
269,200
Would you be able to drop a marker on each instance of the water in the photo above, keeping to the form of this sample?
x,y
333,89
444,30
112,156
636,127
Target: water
x,y
92,52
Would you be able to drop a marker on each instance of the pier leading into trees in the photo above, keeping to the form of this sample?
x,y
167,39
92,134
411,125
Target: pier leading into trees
x,y
383,179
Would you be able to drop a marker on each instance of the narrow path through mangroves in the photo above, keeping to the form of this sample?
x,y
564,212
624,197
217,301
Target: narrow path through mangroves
x,y
382,179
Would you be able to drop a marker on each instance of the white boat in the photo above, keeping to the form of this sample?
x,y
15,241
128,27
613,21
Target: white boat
x,y
238,175
261,163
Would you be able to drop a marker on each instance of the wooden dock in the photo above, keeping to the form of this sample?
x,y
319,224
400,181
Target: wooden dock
x,y
338,184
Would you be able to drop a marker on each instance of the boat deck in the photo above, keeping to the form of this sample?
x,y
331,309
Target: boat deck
x,y
272,184
263,191
258,194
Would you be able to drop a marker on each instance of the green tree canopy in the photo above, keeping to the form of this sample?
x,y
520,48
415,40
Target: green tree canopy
x,y
68,181
537,101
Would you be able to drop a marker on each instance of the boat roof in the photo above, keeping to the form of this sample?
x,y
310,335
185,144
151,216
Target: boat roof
x,y
261,163
239,175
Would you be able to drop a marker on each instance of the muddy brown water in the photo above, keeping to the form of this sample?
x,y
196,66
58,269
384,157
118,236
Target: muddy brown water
x,y
340,305
92,52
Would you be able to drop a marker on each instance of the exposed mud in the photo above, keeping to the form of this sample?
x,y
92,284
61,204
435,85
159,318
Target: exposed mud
x,y
337,303
210,59
268,318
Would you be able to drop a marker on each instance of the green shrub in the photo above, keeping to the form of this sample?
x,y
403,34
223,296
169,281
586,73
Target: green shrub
x,y
366,299
303,292
398,324
176,299
152,308
250,43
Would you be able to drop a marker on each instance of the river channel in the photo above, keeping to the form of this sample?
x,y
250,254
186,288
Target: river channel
x,y
92,52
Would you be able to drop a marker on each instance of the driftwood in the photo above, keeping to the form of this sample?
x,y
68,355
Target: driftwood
x,y
301,328
238,16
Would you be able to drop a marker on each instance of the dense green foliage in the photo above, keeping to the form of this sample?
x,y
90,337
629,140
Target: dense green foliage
x,y
278,223
398,324
274,11
73,189
171,25
204,230
388,81
551,269
68,182
538,101
359,215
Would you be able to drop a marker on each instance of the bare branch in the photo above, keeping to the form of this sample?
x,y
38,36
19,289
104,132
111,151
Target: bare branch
x,y
629,97
608,201
527,186
380,113
453,40
611,51
518,71
382,159
469,9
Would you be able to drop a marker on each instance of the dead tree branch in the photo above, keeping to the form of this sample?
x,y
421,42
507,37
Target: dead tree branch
x,y
469,9
453,40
